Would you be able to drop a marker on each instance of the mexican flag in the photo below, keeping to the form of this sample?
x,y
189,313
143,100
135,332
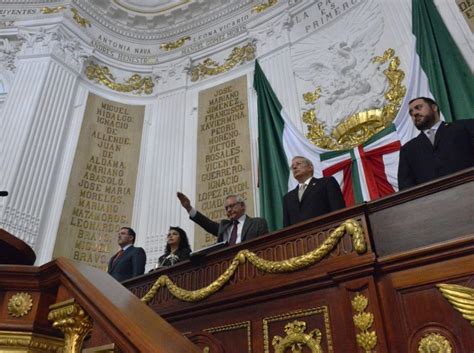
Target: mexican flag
x,y
368,171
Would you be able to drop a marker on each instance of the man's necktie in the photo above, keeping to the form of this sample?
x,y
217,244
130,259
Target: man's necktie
x,y
117,256
301,191
233,233
431,135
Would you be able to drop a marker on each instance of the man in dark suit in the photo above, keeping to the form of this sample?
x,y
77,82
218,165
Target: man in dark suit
x,y
129,261
238,228
312,197
440,148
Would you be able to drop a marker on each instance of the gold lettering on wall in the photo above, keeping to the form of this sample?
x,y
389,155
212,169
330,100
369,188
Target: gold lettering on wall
x,y
467,9
224,165
99,199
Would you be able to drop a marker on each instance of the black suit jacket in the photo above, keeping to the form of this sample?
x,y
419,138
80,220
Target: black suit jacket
x,y
130,264
253,227
320,197
453,150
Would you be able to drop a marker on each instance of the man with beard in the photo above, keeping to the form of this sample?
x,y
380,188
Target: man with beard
x,y
440,149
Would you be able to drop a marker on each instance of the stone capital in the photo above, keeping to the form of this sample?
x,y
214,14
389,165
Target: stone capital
x,y
53,42
172,74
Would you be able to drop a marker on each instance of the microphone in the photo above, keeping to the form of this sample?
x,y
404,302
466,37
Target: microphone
x,y
3,193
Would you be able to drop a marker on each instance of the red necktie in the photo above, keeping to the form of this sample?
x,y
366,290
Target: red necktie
x,y
117,256
233,234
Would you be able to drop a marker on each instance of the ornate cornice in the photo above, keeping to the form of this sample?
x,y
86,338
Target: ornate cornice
x,y
215,13
12,341
172,74
53,41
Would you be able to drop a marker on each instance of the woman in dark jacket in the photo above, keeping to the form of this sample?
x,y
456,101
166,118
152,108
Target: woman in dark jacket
x,y
177,248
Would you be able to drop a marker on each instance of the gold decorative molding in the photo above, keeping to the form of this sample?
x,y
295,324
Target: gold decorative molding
x,y
14,341
363,320
311,97
20,304
81,21
298,315
235,326
434,342
350,226
72,321
136,83
264,6
50,10
209,67
461,298
296,338
358,128
174,45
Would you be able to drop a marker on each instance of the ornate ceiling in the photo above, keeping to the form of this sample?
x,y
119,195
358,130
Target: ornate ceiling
x,y
159,19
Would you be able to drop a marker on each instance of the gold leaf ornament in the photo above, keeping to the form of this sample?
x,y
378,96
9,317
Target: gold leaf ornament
x,y
50,10
174,45
461,298
81,21
209,67
264,6
20,304
358,128
135,84
434,343
363,321
296,339
350,226
359,303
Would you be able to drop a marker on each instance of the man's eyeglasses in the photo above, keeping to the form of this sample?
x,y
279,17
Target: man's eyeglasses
x,y
232,205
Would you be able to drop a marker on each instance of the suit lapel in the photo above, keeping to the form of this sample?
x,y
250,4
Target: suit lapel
x,y
245,228
121,258
439,133
294,196
425,143
225,226
308,190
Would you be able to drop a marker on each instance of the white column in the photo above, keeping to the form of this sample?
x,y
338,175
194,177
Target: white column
x,y
161,162
36,120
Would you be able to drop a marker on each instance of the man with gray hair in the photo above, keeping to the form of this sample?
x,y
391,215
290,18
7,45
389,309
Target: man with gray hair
x,y
238,228
313,197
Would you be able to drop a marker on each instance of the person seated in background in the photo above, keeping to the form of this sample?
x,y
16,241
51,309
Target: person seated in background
x,y
440,149
177,248
238,228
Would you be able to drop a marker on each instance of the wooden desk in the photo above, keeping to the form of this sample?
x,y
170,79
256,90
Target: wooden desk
x,y
416,239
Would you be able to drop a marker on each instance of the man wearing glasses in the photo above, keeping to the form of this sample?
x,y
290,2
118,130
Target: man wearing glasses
x,y
238,228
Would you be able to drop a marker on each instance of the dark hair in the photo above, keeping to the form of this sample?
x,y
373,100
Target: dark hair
x,y
426,99
183,240
131,232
